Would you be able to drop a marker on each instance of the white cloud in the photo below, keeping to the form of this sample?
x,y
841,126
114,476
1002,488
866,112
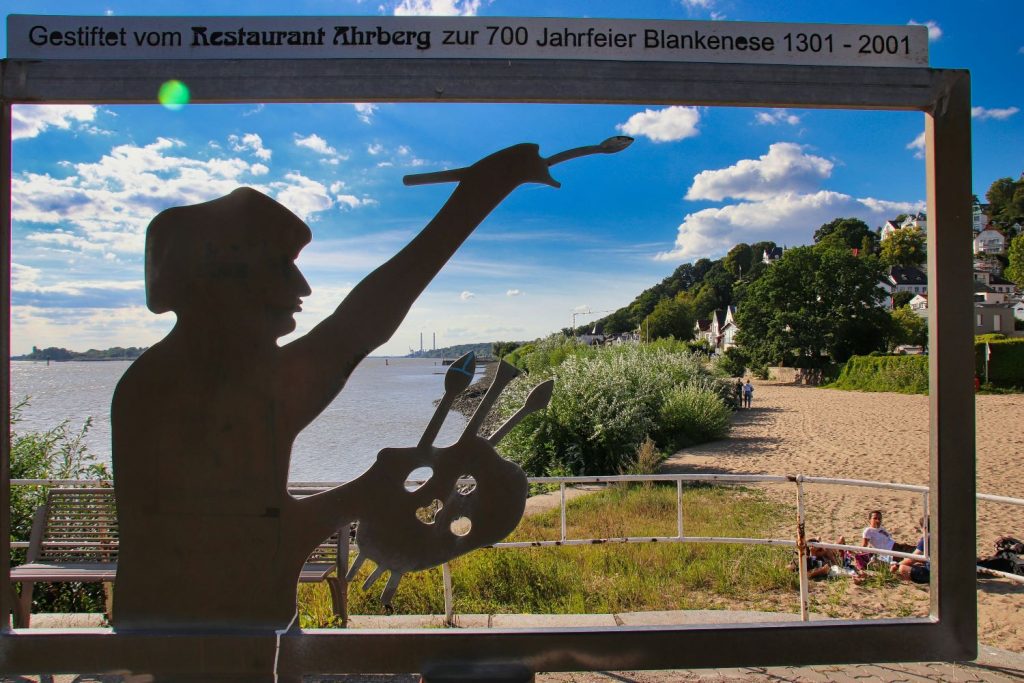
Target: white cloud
x,y
664,125
373,149
513,292
303,196
30,120
350,201
782,202
103,207
259,169
466,295
789,218
250,142
315,143
785,168
365,111
917,145
698,4
998,114
775,117
422,8
934,32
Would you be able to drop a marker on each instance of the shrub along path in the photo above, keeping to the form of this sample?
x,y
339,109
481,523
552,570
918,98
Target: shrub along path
x,y
884,437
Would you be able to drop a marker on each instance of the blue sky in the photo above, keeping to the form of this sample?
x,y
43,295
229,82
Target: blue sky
x,y
88,179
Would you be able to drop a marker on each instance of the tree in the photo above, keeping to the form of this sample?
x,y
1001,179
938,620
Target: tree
x,y
759,248
670,318
738,260
1015,270
901,299
1006,197
813,302
907,328
852,231
904,247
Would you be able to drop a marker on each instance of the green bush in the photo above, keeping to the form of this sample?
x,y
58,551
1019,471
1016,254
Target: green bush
x,y
607,401
58,453
901,374
543,354
733,362
1006,366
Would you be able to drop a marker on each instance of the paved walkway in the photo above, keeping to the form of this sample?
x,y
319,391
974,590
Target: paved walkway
x,y
992,664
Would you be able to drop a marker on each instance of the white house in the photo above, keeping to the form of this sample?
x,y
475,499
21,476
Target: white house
x,y
990,241
720,330
979,216
1018,309
702,330
888,229
919,305
903,279
916,220
772,255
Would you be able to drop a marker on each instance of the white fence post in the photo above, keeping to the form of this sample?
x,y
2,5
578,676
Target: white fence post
x,y
801,549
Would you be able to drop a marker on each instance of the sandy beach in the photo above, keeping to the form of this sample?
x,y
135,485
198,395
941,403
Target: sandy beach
x,y
884,437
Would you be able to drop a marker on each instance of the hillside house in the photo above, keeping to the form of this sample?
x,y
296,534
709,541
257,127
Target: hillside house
x,y
983,294
919,305
722,329
995,282
1018,309
993,318
990,241
772,255
916,220
903,279
979,216
595,337
888,229
702,330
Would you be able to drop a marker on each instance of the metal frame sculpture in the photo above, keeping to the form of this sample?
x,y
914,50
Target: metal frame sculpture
x,y
942,95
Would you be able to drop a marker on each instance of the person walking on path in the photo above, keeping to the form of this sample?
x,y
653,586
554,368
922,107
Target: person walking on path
x,y
748,394
739,392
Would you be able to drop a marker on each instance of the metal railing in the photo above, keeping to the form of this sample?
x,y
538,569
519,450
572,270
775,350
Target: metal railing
x,y
799,542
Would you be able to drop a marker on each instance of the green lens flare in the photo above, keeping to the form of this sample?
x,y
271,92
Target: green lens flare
x,y
173,95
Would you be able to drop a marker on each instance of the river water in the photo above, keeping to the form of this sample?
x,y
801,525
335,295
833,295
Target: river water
x,y
386,402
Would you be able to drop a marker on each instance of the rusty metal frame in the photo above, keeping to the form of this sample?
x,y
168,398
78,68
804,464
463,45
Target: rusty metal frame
x,y
950,632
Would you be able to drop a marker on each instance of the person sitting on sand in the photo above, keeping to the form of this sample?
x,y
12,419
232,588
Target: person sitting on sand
x,y
821,560
876,536
910,569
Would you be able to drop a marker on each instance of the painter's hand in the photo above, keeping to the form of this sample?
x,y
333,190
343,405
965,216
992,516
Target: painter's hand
x,y
514,165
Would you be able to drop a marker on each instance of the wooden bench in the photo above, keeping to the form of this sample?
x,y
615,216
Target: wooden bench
x,y
74,538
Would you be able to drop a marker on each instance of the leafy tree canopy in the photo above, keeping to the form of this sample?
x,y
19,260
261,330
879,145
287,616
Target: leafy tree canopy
x,y
907,328
852,232
1006,197
738,260
671,318
904,247
1015,254
813,304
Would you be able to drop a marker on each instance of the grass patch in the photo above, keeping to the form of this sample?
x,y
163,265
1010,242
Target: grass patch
x,y
606,578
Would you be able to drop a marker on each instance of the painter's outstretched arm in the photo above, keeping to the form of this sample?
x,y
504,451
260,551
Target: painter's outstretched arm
x,y
322,360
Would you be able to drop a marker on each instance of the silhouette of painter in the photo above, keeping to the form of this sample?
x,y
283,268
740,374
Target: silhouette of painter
x,y
203,422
